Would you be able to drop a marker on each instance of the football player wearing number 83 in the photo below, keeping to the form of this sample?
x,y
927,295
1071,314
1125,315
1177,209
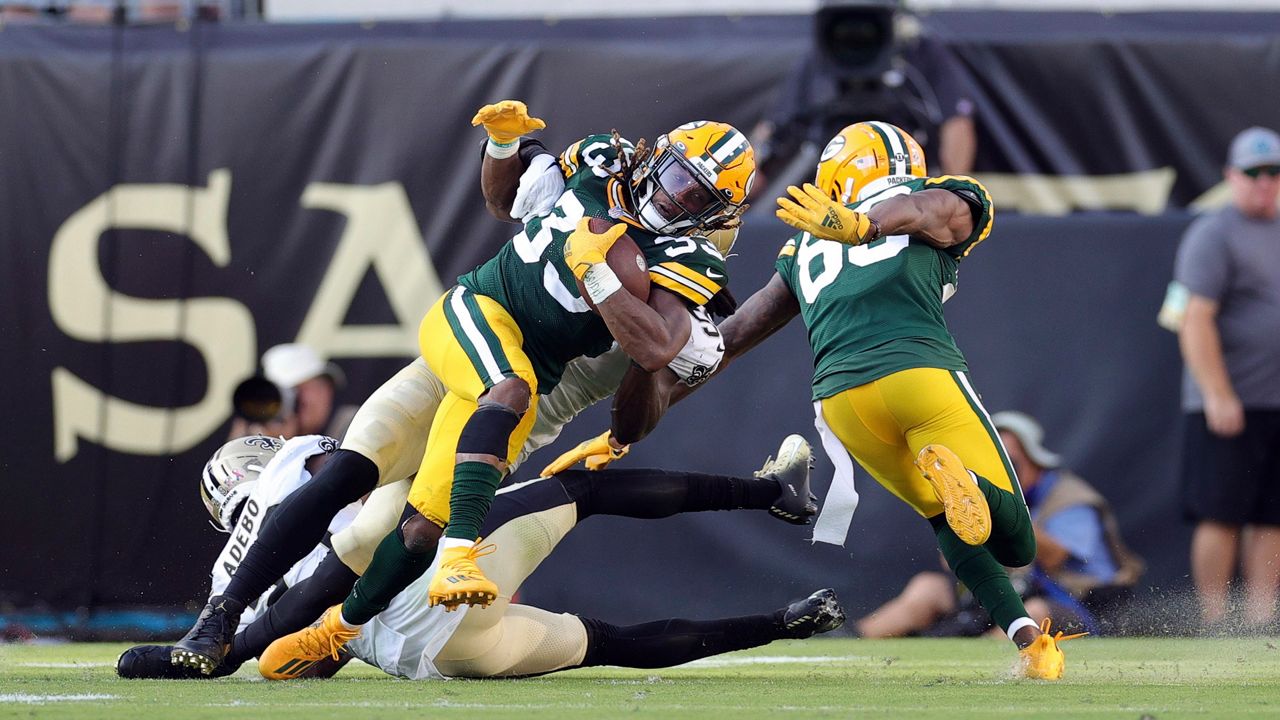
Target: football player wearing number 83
x,y
876,258
506,332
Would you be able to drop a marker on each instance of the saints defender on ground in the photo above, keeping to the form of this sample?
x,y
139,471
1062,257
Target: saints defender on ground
x,y
247,476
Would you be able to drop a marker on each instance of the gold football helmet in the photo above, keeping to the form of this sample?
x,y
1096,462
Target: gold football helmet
x,y
868,156
696,179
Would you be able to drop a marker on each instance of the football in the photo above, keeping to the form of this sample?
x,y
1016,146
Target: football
x,y
626,261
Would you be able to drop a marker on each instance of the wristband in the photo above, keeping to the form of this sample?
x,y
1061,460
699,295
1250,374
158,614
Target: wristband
x,y
501,151
875,227
600,282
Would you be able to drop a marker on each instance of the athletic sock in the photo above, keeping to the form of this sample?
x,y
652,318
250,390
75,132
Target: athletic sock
x,y
299,522
297,608
1013,540
650,494
979,570
673,642
474,484
391,570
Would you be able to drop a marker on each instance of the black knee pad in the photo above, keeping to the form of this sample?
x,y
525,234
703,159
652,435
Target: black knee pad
x,y
488,431
348,474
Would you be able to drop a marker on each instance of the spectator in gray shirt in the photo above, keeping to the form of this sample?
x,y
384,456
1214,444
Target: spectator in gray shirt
x,y
1228,272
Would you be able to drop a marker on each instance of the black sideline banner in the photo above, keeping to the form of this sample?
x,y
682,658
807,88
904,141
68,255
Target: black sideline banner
x,y
174,202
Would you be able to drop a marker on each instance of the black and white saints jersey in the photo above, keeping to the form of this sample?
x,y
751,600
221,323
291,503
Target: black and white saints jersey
x,y
285,473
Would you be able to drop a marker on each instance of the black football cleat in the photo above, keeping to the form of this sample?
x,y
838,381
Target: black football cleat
x,y
205,646
152,662
818,613
795,504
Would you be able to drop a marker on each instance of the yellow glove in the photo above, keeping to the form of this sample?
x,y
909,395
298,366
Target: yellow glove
x,y
822,217
583,248
598,452
507,120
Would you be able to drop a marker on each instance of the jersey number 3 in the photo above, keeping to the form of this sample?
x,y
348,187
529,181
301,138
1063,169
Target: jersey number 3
x,y
563,218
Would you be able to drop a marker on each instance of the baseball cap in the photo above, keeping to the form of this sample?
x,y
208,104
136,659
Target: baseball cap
x,y
1254,147
1030,434
292,364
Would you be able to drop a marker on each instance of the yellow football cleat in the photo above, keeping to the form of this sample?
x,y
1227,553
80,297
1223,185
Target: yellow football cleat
x,y
1043,659
459,580
962,500
290,656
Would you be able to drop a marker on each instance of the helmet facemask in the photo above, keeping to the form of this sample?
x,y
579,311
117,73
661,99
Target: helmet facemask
x,y
671,197
231,475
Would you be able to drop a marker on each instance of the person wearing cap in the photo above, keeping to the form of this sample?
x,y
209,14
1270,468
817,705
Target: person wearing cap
x,y
1083,572
1226,297
308,386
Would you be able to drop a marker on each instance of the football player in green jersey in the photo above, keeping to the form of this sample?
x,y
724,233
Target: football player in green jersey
x,y
505,333
876,257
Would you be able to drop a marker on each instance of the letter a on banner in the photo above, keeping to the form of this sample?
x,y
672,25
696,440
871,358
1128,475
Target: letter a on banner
x,y
381,232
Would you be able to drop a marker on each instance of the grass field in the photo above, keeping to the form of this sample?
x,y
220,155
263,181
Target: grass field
x,y
920,679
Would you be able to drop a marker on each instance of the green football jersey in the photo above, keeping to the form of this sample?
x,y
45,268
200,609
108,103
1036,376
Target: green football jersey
x,y
875,309
530,279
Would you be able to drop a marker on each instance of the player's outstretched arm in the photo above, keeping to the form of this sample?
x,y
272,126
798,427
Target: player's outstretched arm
x,y
763,314
505,122
641,401
939,217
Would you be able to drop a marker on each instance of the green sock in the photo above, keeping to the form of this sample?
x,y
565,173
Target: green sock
x,y
391,570
978,569
474,484
1013,540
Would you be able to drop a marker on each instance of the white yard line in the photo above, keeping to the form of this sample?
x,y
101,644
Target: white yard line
x,y
25,699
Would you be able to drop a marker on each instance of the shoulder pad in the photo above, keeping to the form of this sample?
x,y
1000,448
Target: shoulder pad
x,y
594,156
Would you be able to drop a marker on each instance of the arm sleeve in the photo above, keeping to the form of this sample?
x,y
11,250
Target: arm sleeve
x,y
1202,265
702,353
540,187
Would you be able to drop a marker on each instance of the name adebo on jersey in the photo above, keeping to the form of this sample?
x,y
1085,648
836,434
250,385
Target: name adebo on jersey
x,y
281,477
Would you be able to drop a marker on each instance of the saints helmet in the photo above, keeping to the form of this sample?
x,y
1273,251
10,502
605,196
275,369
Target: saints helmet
x,y
231,474
867,157
696,179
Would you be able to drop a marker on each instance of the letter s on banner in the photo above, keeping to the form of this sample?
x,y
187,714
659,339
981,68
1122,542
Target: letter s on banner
x,y
87,309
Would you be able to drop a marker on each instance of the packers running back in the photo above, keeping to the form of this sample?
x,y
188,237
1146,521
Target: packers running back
x,y
530,279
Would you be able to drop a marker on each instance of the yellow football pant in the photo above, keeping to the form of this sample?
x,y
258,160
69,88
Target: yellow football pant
x,y
471,343
886,422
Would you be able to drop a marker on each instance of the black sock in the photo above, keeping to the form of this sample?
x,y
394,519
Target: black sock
x,y
653,494
299,522
672,642
297,608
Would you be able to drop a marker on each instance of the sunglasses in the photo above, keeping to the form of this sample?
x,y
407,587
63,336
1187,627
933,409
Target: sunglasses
x,y
1268,170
